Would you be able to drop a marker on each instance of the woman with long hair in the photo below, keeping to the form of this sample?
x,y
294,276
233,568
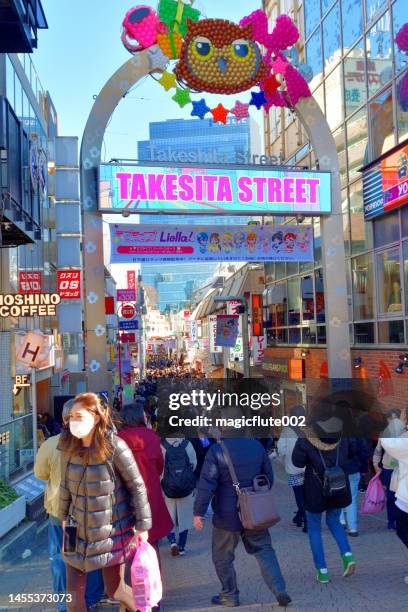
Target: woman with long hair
x,y
103,500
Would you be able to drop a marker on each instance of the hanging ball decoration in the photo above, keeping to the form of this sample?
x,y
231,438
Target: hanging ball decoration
x,y
170,43
141,24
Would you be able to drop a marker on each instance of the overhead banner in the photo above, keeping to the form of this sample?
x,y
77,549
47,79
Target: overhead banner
x,y
154,188
227,330
385,183
166,243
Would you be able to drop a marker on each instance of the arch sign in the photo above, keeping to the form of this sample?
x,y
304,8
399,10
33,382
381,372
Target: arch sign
x,y
189,57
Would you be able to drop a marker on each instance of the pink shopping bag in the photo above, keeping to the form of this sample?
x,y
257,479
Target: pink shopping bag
x,y
146,579
374,499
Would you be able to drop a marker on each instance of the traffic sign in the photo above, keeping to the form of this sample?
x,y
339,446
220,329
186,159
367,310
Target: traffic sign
x,y
128,311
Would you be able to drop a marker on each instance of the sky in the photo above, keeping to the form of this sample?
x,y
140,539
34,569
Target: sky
x,y
82,49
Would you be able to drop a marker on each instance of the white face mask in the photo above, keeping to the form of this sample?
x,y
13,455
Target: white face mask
x,y
80,429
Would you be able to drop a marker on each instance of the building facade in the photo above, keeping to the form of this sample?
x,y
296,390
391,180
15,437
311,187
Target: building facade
x,y
194,141
356,71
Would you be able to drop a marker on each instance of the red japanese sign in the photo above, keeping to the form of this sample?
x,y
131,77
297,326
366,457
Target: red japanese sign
x,y
131,279
130,337
30,282
257,315
69,284
128,311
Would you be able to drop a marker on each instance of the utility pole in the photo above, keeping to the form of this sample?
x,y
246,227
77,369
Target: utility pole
x,y
245,336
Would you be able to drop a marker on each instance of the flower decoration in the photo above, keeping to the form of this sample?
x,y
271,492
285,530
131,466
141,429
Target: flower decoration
x,y
99,330
92,298
90,247
94,366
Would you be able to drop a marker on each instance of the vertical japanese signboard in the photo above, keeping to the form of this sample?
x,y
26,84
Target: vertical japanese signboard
x,y
69,284
30,282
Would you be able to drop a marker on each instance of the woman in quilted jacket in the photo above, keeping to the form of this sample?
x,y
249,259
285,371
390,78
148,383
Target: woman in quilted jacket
x,y
103,502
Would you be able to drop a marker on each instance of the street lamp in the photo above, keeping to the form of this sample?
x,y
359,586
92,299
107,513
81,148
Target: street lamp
x,y
245,338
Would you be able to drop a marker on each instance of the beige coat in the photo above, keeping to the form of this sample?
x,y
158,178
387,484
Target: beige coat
x,y
181,509
48,467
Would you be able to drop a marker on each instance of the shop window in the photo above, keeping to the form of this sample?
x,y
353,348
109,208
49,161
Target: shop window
x,y
379,57
355,89
279,304
309,334
294,335
362,278
402,107
399,18
308,303
321,334
391,332
364,333
361,232
294,301
389,282
314,56
326,4
357,138
331,37
352,17
280,270
320,304
386,230
334,106
312,15
292,267
14,156
405,260
382,123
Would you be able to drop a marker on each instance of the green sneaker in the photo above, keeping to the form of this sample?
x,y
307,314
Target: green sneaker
x,y
322,576
349,564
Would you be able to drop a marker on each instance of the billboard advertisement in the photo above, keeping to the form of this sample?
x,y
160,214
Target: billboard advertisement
x,y
385,183
166,243
231,190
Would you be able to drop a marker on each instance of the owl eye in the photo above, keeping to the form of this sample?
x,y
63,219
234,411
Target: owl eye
x,y
203,48
241,50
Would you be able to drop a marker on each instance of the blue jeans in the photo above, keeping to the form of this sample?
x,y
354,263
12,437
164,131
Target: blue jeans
x,y
350,514
315,535
94,584
386,480
182,540
257,543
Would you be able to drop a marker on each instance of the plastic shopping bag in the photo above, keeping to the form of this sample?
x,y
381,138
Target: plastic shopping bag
x,y
146,579
374,498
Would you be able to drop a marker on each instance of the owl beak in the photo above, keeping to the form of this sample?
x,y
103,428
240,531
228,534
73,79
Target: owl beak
x,y
223,64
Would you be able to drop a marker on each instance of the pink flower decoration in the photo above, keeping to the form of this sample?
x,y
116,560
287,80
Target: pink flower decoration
x,y
240,110
402,38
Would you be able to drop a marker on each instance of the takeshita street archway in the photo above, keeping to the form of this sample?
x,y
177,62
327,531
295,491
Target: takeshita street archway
x,y
290,91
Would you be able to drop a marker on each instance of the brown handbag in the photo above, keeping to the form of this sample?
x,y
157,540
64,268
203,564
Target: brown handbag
x,y
256,507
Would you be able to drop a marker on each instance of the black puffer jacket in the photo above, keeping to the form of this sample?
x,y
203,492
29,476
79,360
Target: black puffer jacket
x,y
107,501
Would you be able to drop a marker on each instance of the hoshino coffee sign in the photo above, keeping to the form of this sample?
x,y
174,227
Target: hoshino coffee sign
x,y
29,305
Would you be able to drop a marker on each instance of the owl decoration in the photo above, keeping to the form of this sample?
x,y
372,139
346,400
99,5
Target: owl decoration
x,y
221,57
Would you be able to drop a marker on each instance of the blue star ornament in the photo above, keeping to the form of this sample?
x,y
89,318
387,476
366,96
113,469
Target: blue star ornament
x,y
258,99
200,109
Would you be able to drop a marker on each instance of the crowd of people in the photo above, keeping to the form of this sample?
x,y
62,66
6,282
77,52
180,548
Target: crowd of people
x,y
112,483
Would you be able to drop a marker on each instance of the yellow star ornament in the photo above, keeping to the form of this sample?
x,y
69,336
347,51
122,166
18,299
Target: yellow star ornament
x,y
168,80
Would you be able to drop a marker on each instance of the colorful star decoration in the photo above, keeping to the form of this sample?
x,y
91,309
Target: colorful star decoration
x,y
240,110
182,97
270,85
220,114
258,99
168,80
200,109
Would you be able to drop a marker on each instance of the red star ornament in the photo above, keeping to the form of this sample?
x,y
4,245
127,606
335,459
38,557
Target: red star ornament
x,y
270,84
220,114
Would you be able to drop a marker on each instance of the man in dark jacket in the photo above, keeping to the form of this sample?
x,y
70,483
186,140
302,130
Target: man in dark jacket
x,y
249,459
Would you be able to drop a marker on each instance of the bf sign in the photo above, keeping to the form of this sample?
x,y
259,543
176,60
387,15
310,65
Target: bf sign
x,y
30,352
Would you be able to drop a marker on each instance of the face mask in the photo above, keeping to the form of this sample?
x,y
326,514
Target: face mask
x,y
80,429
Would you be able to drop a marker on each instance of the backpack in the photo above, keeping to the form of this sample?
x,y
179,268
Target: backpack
x,y
178,478
335,481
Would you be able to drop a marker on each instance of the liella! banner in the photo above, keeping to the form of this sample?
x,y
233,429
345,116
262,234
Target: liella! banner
x,y
167,243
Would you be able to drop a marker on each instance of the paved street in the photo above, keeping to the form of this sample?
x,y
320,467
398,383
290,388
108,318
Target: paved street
x,y
190,581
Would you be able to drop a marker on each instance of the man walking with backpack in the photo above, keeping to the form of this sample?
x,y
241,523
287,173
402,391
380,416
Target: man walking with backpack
x,y
178,485
219,482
